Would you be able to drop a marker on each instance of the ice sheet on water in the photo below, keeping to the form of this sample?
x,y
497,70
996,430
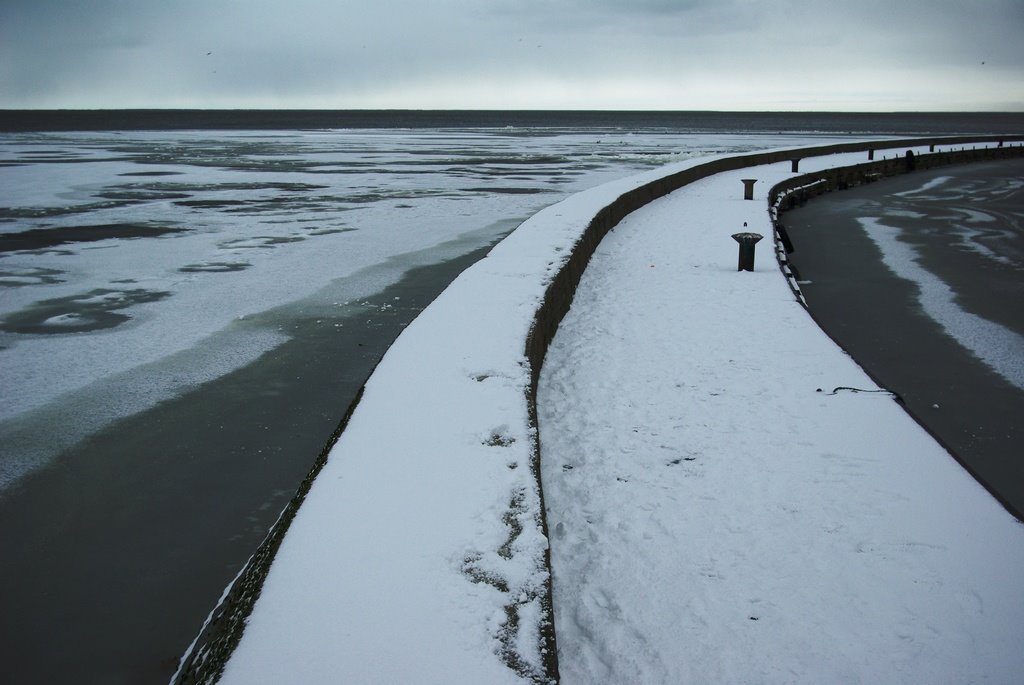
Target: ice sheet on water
x,y
250,221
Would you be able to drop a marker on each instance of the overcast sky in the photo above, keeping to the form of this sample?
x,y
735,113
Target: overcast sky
x,y
857,55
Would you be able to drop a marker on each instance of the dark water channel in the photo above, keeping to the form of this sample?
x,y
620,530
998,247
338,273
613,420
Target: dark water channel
x,y
113,555
967,230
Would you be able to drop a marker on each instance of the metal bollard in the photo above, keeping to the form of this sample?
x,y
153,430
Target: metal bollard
x,y
748,188
796,165
747,242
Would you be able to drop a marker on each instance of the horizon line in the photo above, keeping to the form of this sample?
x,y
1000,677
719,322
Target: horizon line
x,y
504,109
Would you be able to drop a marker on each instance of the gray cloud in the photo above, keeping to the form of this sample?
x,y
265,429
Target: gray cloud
x,y
525,53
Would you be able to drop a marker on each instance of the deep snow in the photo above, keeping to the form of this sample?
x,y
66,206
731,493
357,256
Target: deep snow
x,y
718,512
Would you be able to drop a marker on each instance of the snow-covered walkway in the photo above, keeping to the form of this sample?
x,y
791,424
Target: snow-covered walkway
x,y
713,515
720,513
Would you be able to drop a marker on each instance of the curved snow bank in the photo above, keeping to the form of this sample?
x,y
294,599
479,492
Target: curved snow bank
x,y
420,552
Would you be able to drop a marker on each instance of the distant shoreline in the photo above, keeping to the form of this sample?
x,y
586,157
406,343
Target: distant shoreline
x,y
852,123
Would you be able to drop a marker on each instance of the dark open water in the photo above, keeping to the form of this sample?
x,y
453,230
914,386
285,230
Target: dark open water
x,y
890,123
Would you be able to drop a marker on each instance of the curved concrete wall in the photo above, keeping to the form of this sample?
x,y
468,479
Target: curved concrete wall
x,y
222,631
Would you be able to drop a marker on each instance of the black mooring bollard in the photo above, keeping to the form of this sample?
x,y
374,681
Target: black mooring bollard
x,y
796,165
748,188
747,242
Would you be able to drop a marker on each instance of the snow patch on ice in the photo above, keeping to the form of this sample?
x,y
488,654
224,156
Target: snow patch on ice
x,y
925,187
1000,348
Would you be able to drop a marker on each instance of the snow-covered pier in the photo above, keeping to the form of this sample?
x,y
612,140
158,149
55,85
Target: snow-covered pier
x,y
732,499
712,514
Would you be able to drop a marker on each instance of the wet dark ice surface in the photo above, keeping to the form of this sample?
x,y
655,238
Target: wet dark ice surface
x,y
166,505
969,232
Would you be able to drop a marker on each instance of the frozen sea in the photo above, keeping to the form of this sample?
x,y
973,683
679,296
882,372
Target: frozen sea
x,y
137,266
186,314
